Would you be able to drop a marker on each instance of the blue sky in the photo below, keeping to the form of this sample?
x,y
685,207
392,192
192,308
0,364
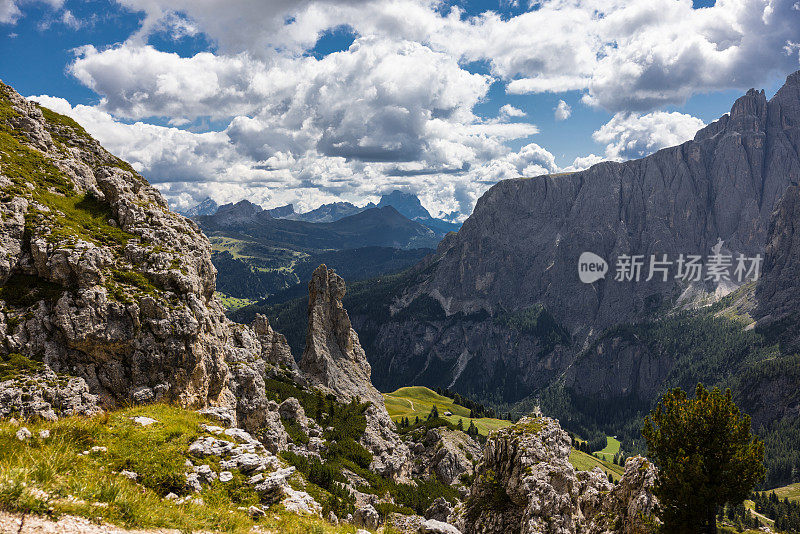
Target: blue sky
x,y
316,101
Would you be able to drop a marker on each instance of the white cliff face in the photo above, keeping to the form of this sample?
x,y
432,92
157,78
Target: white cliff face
x,y
526,484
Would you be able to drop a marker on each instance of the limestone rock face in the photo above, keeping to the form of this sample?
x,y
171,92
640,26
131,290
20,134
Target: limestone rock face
x,y
333,357
445,454
46,395
526,484
334,360
110,287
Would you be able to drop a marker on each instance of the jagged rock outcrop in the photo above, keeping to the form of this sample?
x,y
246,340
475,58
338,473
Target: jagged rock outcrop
x,y
46,395
519,251
334,360
445,454
526,484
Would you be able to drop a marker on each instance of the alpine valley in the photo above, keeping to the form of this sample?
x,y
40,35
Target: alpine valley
x,y
499,314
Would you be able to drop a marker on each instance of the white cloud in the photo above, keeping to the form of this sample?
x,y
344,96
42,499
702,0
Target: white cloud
x,y
583,162
632,135
562,111
508,110
9,12
396,109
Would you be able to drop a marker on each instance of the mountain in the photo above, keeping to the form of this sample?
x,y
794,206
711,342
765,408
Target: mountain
x,y
206,207
409,205
515,259
327,213
236,276
500,314
108,300
383,227
406,203
258,255
281,211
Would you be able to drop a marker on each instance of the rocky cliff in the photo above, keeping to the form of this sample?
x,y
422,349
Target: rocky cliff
x,y
107,298
334,361
778,294
505,309
526,484
100,280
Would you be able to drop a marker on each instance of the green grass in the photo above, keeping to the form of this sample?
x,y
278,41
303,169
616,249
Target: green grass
x,y
233,303
14,365
417,401
791,492
586,462
51,477
612,448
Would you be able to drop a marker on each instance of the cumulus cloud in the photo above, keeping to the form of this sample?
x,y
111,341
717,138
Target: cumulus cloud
x,y
632,135
396,108
583,162
628,55
562,111
508,110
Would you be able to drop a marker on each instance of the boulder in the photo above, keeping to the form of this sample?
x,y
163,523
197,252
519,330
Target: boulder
x,y
367,516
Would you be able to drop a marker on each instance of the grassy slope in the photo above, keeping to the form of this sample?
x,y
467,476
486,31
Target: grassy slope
x,y
51,476
585,462
612,447
792,492
418,400
233,303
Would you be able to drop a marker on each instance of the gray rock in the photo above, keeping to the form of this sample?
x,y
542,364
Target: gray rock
x,y
290,409
440,510
526,484
432,526
130,475
367,516
518,253
221,414
46,395
23,434
193,482
334,361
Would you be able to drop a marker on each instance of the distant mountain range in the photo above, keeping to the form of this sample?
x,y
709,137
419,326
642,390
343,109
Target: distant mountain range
x,y
406,204
257,254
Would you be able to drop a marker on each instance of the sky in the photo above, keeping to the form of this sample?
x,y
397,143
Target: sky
x,y
310,102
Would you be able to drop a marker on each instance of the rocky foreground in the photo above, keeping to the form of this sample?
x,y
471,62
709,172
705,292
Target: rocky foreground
x,y
107,300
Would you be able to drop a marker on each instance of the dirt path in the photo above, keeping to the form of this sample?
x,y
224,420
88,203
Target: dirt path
x,y
30,524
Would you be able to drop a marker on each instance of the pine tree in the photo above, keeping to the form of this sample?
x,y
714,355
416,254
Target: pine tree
x,y
706,457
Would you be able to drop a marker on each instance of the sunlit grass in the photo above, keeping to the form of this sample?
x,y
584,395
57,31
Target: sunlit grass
x,y
54,475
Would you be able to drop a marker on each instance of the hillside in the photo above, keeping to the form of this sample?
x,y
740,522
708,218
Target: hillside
x,y
114,469
418,401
